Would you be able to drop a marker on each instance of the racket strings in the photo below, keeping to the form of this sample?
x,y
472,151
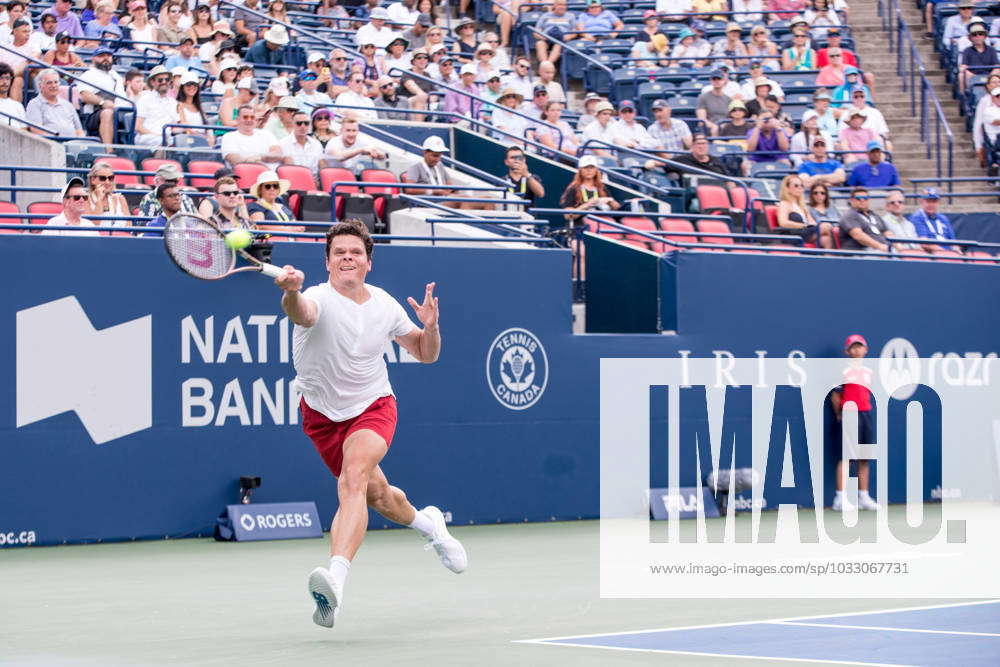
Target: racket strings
x,y
198,247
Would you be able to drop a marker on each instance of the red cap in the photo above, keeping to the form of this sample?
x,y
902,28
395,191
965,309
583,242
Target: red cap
x,y
855,338
648,13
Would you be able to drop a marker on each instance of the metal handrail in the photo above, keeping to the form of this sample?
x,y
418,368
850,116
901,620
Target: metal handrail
x,y
910,69
577,52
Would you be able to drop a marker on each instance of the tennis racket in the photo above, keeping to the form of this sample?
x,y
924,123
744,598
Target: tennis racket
x,y
199,249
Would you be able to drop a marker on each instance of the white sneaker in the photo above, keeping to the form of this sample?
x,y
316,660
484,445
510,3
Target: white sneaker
x,y
840,504
329,600
449,550
865,502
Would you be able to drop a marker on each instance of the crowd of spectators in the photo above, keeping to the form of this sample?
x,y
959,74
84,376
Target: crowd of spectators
x,y
237,69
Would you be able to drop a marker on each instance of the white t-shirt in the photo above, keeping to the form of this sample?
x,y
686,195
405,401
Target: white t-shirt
x,y
339,364
61,221
352,99
156,110
110,81
14,108
258,143
304,156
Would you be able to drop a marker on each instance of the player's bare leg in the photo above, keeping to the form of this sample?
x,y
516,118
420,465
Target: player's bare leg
x,y
362,484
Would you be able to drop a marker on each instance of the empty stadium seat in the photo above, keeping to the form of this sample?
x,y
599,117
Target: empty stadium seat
x,y
713,199
331,175
299,178
640,223
715,227
152,164
206,167
685,226
247,173
120,164
10,207
379,176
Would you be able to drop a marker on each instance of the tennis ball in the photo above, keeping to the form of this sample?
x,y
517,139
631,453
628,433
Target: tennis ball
x,y
239,239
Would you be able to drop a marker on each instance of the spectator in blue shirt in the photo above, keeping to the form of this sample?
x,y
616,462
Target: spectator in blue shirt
x,y
598,19
102,24
874,173
185,56
818,168
271,49
842,93
169,196
929,224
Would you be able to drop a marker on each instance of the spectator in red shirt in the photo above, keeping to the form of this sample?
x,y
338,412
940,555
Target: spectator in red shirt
x,y
833,42
855,390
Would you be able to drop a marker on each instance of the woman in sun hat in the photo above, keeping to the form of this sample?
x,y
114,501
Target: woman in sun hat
x,y
270,207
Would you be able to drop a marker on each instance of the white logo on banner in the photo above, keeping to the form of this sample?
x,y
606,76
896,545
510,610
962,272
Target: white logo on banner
x,y
247,522
64,363
898,366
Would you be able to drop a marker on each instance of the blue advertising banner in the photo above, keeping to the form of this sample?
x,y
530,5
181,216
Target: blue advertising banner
x,y
274,521
133,397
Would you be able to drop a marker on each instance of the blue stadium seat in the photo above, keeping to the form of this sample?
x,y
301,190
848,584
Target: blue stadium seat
x,y
573,63
597,79
620,46
651,91
683,107
626,82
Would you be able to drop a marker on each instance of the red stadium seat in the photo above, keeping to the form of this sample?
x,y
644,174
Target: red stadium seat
x,y
301,178
980,257
331,175
713,199
380,176
677,226
49,208
247,173
152,164
915,256
641,224
715,227
771,212
119,164
740,200
207,167
10,207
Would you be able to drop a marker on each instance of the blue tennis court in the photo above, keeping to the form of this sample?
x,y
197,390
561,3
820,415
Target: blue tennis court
x,y
966,634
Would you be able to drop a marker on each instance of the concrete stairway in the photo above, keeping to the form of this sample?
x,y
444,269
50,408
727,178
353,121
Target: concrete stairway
x,y
909,152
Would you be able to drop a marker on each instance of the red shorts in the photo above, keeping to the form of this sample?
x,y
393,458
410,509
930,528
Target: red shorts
x,y
329,436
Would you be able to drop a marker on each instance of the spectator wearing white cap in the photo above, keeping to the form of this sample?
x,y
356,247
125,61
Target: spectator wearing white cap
x,y
355,96
281,123
491,91
388,98
429,170
249,143
456,102
802,140
74,201
748,89
350,146
156,109
376,31
601,129
225,77
271,49
825,115
301,149
586,192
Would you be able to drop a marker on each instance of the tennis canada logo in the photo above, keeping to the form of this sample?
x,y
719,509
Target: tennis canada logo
x,y
517,368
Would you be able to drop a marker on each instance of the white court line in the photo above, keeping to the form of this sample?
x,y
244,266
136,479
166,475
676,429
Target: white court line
x,y
872,627
764,620
728,655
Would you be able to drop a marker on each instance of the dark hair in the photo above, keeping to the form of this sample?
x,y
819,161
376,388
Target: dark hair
x,y
350,227
195,99
858,190
512,149
161,190
133,74
222,172
6,69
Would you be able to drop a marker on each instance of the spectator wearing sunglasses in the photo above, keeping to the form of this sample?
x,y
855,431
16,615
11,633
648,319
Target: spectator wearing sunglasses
x,y
388,98
862,228
227,209
309,90
874,173
339,73
74,201
299,148
896,222
156,109
356,96
103,199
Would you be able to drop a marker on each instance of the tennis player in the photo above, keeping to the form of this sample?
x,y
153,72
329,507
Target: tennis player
x,y
348,408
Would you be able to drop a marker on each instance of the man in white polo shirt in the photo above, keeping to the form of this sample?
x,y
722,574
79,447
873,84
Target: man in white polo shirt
x,y
249,143
301,149
155,109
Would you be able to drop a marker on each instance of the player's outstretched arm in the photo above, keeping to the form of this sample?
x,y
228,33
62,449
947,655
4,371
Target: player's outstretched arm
x,y
424,344
299,309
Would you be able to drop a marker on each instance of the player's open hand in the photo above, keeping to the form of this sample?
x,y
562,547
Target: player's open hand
x,y
292,280
427,312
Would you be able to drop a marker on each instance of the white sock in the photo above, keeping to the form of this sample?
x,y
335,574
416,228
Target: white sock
x,y
840,494
339,566
864,494
423,525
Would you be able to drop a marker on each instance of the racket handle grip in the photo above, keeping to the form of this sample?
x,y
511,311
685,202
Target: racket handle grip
x,y
271,270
